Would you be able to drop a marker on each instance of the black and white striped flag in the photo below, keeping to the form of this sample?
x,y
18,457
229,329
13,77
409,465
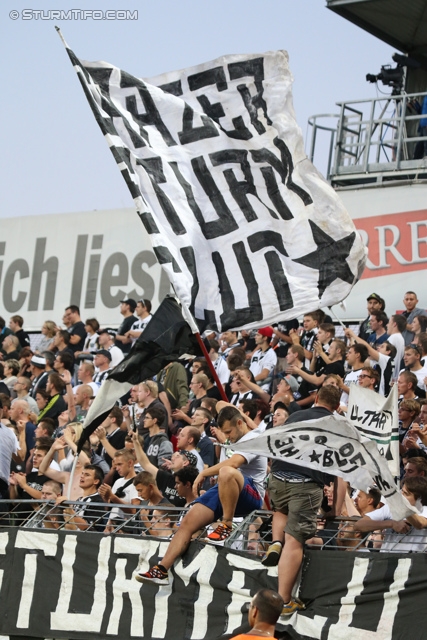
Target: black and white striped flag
x,y
246,228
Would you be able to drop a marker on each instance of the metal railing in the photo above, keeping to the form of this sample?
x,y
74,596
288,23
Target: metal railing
x,y
251,534
373,139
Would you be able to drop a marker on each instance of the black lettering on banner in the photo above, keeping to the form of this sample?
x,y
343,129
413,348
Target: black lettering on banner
x,y
254,68
122,156
216,111
327,458
175,88
154,169
225,223
164,256
40,266
381,483
152,116
358,458
285,448
239,188
284,167
17,266
190,133
232,317
320,439
261,240
347,449
148,222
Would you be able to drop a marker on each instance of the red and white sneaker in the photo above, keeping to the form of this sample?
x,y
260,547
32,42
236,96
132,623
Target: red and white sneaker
x,y
219,534
155,575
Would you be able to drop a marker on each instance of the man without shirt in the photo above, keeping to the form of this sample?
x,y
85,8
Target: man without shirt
x,y
239,491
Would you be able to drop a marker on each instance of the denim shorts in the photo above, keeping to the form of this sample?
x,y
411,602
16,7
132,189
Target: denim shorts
x,y
249,500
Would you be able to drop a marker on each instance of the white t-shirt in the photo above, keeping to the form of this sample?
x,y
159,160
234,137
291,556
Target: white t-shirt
x,y
415,540
140,325
130,493
421,374
116,355
351,378
255,466
222,370
263,360
398,341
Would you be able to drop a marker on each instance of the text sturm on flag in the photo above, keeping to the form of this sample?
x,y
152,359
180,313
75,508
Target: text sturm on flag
x,y
246,228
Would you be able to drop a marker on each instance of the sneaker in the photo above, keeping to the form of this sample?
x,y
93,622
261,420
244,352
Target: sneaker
x,y
155,574
293,605
220,534
271,557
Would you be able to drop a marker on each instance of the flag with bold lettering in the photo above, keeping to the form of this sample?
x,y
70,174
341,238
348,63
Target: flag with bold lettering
x,y
376,418
246,228
332,445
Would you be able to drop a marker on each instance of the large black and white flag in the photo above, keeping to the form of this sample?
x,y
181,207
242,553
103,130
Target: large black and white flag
x,y
333,445
246,228
376,418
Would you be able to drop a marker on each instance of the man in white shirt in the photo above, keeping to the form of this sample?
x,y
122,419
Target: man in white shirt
x,y
106,341
396,326
263,359
411,359
396,538
356,356
123,490
143,309
239,491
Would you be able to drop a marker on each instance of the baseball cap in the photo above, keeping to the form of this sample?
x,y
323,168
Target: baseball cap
x,y
374,296
111,332
266,331
38,361
292,382
192,459
103,352
131,302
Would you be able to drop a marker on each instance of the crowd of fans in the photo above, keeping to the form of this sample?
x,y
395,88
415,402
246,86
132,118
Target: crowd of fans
x,y
159,447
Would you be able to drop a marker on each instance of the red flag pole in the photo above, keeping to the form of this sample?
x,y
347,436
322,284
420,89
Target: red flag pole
x,y
195,329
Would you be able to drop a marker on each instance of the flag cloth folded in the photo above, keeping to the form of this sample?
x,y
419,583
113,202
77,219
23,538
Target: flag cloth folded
x,y
246,228
165,339
376,418
332,445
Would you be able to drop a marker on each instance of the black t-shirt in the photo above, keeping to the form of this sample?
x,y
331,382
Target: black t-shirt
x,y
56,409
35,482
117,440
78,329
285,327
305,387
91,513
334,367
214,392
166,483
124,328
24,338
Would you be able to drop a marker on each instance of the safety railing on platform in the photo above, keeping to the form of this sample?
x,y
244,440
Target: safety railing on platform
x,y
251,534
372,140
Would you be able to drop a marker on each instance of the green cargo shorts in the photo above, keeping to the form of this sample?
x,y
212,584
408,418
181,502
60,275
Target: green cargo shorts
x,y
300,502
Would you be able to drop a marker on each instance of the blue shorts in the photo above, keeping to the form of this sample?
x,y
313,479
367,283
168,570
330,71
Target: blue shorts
x,y
249,500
